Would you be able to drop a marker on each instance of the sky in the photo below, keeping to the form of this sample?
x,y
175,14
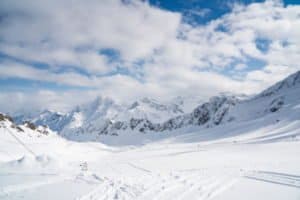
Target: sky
x,y
55,54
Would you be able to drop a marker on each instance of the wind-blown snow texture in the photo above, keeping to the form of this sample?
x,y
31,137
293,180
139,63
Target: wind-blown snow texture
x,y
226,148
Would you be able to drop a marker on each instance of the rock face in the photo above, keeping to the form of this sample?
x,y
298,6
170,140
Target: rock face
x,y
4,117
105,117
210,113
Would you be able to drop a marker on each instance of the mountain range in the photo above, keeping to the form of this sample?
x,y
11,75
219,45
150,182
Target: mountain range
x,y
103,116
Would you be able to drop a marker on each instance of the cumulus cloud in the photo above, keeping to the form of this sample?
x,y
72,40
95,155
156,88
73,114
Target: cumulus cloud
x,y
128,50
62,32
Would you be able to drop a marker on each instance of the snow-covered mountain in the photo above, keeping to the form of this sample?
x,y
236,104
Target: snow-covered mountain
x,y
292,81
82,118
150,109
8,125
54,120
213,111
284,95
96,117
105,117
221,109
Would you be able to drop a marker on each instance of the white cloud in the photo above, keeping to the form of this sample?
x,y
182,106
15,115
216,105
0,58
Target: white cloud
x,y
53,30
11,70
262,77
177,58
36,100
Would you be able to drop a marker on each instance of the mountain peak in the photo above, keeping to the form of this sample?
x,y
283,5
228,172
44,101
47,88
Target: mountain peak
x,y
291,81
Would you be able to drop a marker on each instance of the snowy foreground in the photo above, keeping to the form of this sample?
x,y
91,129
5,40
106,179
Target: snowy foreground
x,y
226,162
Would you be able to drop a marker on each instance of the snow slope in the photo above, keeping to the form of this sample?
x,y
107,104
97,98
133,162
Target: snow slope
x,y
250,160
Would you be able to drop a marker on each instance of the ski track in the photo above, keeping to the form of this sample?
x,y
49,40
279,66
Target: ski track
x,y
275,178
174,185
113,189
182,185
139,168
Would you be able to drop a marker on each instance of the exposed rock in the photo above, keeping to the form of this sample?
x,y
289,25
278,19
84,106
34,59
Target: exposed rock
x,y
4,117
276,104
30,125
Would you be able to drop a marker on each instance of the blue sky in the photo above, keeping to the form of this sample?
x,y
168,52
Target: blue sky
x,y
199,11
202,11
54,50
